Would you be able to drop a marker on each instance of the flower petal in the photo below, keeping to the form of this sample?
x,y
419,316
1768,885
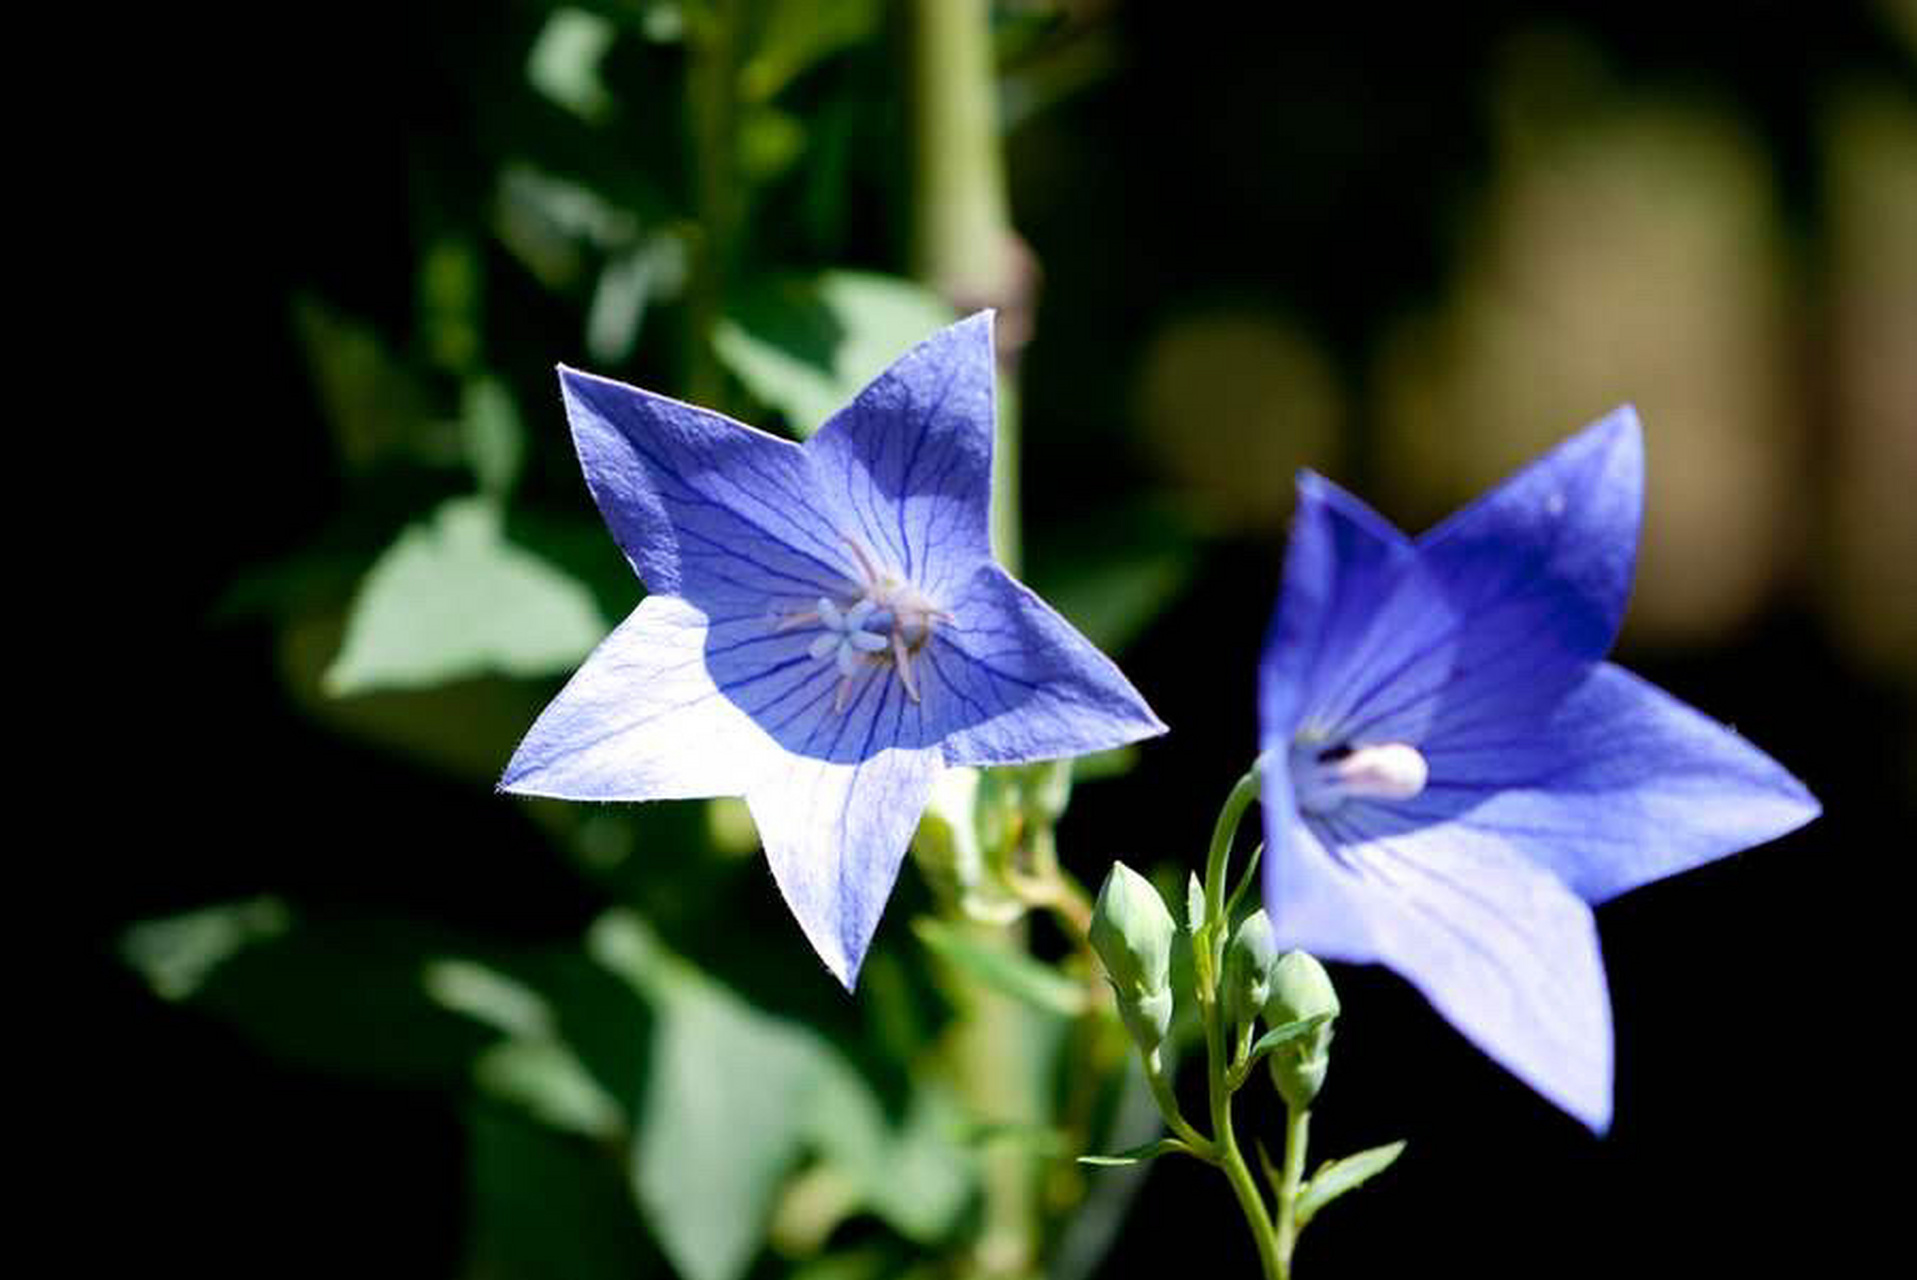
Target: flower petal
x,y
1534,576
1498,946
1356,620
1613,786
910,459
835,834
1555,545
1010,681
642,719
704,507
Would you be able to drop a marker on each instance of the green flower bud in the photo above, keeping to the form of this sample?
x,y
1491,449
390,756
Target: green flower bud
x,y
1132,934
1300,988
1248,963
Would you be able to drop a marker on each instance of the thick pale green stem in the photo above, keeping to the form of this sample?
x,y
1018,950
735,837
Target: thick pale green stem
x,y
962,240
960,234
712,104
961,225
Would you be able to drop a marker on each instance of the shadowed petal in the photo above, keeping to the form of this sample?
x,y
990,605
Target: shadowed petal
x,y
1011,681
910,459
641,720
835,835
1535,575
1617,785
704,507
1355,621
1499,947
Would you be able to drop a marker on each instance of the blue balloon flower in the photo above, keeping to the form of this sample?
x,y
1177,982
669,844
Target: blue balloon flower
x,y
826,628
1453,773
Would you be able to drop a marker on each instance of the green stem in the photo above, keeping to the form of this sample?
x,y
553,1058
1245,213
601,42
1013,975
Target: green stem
x,y
712,102
962,240
1210,953
960,231
1297,1126
1168,1108
1226,1153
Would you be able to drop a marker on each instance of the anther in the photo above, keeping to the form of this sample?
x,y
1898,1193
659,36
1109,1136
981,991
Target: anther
x,y
1382,771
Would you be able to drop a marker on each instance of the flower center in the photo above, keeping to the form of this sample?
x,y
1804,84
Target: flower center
x,y
885,626
1324,778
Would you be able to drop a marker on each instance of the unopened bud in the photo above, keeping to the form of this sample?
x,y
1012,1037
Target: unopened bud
x,y
1132,934
1248,963
1300,988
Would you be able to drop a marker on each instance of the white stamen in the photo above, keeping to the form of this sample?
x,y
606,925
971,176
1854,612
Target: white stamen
x,y
902,659
1383,771
886,625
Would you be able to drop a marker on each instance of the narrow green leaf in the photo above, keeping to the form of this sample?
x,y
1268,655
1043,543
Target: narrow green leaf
x,y
806,345
453,598
1011,972
1245,881
1335,1177
1162,1147
1279,1036
546,1078
492,435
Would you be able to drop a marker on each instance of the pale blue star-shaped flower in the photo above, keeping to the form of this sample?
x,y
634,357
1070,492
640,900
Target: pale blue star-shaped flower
x,y
826,628
1453,773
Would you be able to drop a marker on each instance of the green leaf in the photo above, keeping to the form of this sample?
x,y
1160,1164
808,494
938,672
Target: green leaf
x,y
1162,1147
1013,973
1245,880
534,1068
453,598
564,62
1335,1177
807,345
545,1077
1277,1037
494,438
341,995
376,407
630,281
922,1181
794,34
178,954
734,1097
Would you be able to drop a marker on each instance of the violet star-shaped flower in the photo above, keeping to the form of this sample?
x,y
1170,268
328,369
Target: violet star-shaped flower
x,y
826,628
1453,772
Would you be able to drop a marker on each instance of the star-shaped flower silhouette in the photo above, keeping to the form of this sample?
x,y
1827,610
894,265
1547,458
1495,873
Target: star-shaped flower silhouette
x,y
826,628
1454,773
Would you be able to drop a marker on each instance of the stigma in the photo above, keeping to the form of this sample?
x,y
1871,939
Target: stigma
x,y
1325,778
879,631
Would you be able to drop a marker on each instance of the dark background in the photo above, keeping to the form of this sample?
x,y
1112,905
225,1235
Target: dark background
x,y
1407,254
